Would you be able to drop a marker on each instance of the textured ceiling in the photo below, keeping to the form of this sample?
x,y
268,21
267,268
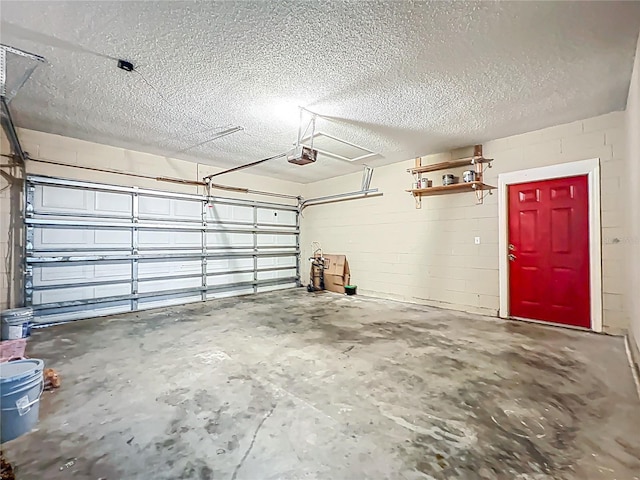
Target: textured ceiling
x,y
397,78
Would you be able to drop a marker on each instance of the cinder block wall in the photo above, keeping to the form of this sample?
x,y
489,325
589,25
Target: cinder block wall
x,y
8,241
632,204
66,150
429,256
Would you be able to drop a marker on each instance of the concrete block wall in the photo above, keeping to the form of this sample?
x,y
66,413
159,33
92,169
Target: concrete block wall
x,y
429,255
9,243
56,148
631,216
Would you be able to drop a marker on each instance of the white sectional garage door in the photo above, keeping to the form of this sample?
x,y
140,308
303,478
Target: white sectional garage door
x,y
93,249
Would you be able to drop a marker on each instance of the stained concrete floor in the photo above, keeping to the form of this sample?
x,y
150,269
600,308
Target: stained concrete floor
x,y
291,385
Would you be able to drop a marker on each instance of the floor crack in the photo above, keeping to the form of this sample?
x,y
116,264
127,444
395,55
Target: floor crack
x,y
253,440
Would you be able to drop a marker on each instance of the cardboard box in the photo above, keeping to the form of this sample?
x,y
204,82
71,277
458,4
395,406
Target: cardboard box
x,y
337,273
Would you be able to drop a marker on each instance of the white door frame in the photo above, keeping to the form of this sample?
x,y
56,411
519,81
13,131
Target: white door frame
x,y
591,168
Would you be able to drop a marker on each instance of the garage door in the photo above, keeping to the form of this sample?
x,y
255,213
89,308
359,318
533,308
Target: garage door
x,y
94,249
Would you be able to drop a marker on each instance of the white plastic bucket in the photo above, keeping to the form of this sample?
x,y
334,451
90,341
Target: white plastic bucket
x,y
21,385
16,323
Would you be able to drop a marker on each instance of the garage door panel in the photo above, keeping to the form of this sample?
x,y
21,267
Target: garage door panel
x,y
169,284
218,239
151,238
109,202
286,261
266,262
111,271
218,265
276,240
240,263
52,237
215,280
80,293
286,240
191,239
229,213
67,314
173,209
111,238
166,300
82,202
54,275
150,269
268,215
154,206
58,237
65,274
266,240
187,209
187,239
277,274
57,199
227,264
278,217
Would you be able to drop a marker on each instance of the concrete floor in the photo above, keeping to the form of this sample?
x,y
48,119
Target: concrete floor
x,y
291,385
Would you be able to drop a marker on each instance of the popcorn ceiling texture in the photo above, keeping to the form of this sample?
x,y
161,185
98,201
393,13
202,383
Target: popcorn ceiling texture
x,y
399,78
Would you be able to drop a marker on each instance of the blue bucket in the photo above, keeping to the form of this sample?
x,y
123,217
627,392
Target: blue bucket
x,y
21,385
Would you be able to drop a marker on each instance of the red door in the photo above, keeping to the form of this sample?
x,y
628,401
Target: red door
x,y
549,251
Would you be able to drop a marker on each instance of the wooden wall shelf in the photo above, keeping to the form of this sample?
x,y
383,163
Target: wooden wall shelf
x,y
456,187
477,162
462,162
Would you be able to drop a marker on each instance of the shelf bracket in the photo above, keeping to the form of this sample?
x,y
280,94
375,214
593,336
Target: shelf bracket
x,y
480,194
418,198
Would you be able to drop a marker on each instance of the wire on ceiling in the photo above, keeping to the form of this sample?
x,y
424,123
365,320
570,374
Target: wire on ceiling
x,y
188,116
150,85
218,135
